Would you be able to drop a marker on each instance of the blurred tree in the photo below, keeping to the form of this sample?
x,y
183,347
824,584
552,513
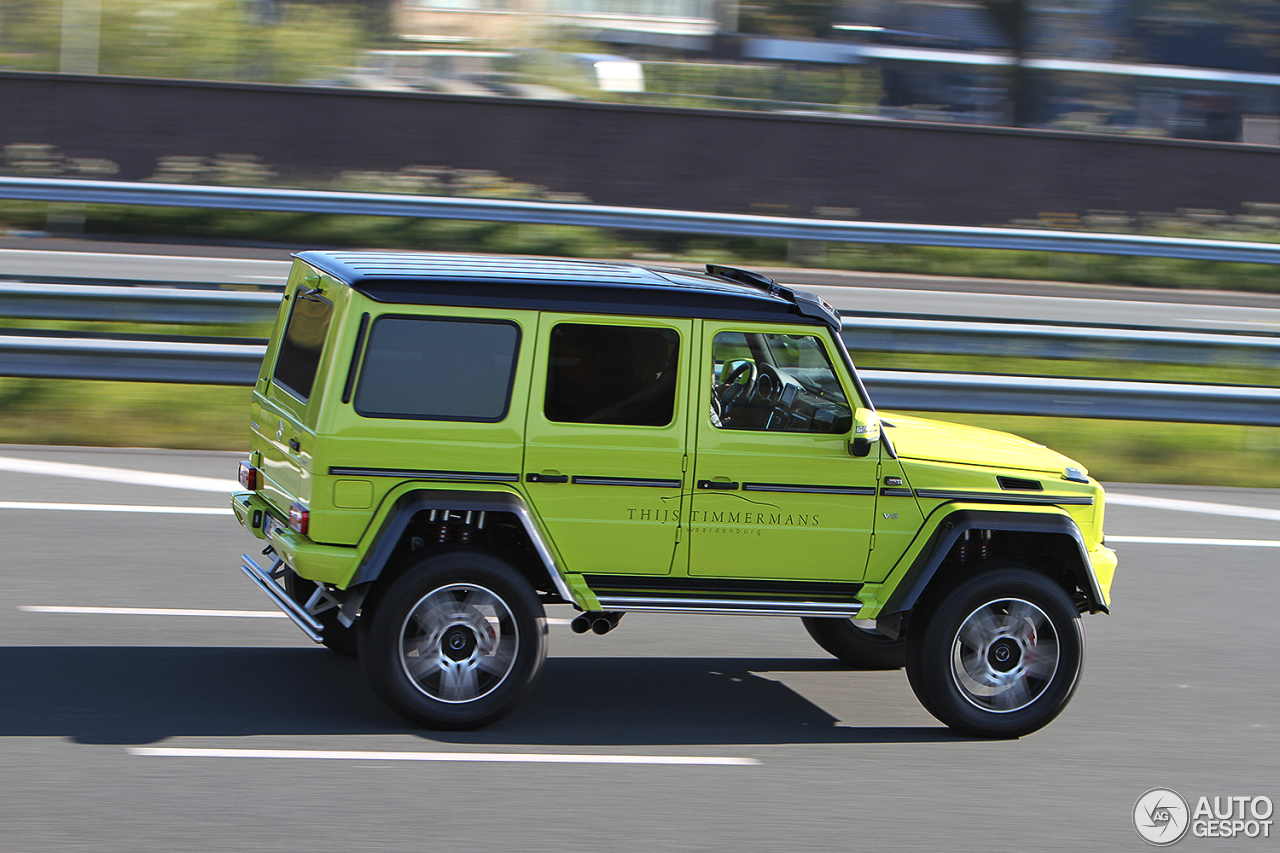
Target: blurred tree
x,y
259,40
789,18
1014,18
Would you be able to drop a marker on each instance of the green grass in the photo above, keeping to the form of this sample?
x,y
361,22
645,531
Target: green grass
x,y
124,414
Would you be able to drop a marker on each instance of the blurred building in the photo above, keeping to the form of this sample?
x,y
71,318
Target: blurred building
x,y
678,24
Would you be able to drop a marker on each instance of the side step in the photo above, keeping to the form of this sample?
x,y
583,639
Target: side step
x,y
729,607
280,598
740,597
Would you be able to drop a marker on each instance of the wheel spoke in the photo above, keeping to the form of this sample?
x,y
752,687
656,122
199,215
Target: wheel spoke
x,y
1014,696
1044,660
979,628
498,662
422,666
458,681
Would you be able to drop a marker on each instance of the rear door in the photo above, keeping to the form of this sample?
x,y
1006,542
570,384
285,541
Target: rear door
x,y
290,386
605,440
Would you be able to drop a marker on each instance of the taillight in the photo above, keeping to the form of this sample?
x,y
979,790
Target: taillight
x,y
249,477
299,518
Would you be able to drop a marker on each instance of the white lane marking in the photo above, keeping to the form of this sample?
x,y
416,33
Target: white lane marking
x,y
172,611
1188,540
117,475
1204,507
165,510
150,611
495,757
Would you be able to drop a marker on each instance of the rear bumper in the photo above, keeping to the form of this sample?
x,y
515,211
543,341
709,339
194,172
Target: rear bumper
x,y
331,564
266,581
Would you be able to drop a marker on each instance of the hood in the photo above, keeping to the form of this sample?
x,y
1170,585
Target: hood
x,y
940,441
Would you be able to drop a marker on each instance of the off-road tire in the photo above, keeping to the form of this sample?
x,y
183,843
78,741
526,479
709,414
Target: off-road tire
x,y
455,641
854,645
999,655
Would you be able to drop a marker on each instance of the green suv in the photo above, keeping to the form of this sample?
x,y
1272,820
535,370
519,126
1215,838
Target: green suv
x,y
443,444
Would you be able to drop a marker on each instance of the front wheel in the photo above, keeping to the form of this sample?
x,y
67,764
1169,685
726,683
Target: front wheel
x,y
858,645
456,641
1000,655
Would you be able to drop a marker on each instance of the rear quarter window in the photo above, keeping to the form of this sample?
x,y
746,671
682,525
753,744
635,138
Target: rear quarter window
x,y
302,344
438,369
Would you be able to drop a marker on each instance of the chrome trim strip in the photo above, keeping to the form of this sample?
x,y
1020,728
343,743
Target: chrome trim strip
x,y
627,481
557,578
413,474
809,490
896,493
729,606
999,497
279,598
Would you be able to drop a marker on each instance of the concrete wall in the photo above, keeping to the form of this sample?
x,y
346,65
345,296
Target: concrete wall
x,y
641,156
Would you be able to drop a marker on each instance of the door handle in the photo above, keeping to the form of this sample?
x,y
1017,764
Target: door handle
x,y
546,478
717,484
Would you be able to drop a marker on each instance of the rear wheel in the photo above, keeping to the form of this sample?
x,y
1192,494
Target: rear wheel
x,y
998,656
336,636
456,641
857,644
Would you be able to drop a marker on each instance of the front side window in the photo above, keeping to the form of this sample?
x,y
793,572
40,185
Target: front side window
x,y
777,383
623,375
303,341
437,369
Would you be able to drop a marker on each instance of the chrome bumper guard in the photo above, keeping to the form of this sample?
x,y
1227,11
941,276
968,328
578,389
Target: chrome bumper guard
x,y
266,582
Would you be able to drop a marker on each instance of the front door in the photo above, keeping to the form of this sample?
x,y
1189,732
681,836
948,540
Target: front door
x,y
776,493
606,440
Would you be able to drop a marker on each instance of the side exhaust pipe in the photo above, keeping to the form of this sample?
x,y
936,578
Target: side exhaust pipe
x,y
596,621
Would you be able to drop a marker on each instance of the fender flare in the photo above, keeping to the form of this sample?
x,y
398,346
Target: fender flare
x,y
409,504
946,532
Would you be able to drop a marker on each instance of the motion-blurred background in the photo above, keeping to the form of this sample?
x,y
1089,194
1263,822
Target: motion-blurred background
x,y
1150,117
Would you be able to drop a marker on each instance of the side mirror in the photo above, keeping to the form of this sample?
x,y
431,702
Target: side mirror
x,y
866,432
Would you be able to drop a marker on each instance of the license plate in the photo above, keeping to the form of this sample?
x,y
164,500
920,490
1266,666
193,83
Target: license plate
x,y
270,524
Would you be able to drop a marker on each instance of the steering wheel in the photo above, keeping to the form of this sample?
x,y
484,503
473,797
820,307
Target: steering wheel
x,y
734,392
769,385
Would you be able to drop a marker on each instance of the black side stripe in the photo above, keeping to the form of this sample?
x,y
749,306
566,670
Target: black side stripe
x,y
1004,498
415,474
809,490
627,481
896,493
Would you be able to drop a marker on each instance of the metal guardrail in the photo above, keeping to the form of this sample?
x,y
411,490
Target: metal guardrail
x,y
1080,398
238,364
130,361
177,306
1035,340
169,305
644,219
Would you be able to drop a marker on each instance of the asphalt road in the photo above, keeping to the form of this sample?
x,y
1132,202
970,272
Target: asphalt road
x,y
876,293
1179,691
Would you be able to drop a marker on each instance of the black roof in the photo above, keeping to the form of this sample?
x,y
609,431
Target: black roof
x,y
545,284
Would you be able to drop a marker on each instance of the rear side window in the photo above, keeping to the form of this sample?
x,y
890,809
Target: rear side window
x,y
438,369
303,342
622,375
